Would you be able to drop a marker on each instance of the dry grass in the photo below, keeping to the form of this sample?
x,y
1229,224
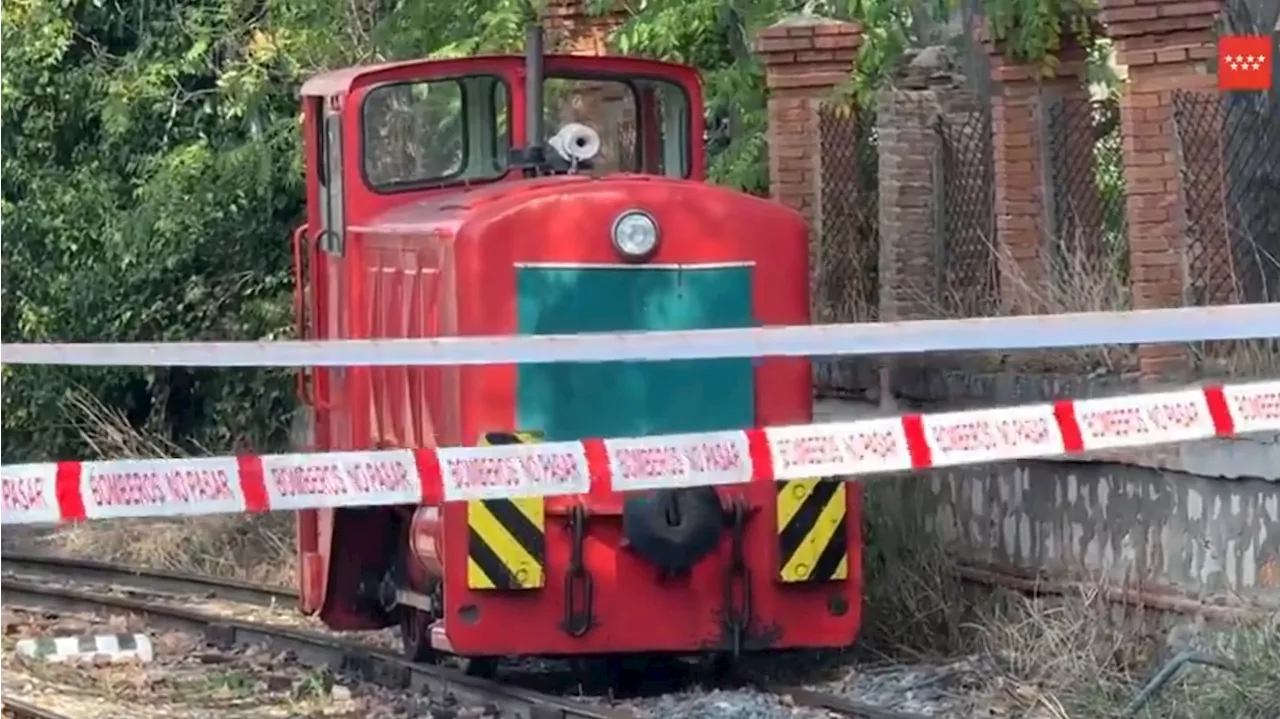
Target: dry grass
x,y
1060,657
1088,280
1253,692
254,548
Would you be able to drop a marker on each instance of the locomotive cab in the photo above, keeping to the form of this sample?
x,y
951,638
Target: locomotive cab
x,y
549,195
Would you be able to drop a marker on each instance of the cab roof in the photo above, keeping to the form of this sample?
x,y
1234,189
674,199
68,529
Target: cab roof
x,y
343,80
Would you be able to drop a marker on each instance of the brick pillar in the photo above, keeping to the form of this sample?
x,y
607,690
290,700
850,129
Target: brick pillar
x,y
910,195
608,107
572,28
805,58
922,268
1023,193
1165,46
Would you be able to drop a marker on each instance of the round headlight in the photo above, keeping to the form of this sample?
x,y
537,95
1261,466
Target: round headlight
x,y
635,234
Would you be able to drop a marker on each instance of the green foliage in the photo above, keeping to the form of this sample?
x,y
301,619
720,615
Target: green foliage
x,y
888,28
152,173
150,189
1033,30
715,36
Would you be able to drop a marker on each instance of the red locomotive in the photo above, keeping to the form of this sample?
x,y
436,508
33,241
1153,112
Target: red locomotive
x,y
437,206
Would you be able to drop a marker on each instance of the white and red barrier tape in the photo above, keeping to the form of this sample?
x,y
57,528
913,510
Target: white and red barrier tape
x,y
72,491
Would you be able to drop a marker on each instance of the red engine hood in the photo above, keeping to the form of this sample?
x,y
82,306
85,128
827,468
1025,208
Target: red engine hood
x,y
693,209
447,207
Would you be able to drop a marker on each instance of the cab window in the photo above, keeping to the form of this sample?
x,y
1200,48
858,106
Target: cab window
x,y
643,124
435,131
671,117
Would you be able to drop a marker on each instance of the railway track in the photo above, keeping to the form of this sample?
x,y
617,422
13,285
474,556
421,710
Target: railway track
x,y
148,580
38,582
18,709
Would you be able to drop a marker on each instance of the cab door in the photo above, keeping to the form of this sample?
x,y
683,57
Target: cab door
x,y
319,250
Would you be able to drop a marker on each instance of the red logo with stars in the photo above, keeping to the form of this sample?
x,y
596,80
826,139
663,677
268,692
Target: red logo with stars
x,y
1244,62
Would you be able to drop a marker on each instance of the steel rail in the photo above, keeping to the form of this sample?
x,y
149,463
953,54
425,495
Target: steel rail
x,y
158,580
372,663
801,696
19,709
315,649
1188,324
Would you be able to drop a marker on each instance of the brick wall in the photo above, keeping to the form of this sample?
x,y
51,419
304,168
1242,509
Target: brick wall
x,y
1175,215
805,58
1023,188
572,28
1166,46
910,184
606,106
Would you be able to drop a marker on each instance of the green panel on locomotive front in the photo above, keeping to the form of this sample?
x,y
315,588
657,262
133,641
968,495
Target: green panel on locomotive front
x,y
629,399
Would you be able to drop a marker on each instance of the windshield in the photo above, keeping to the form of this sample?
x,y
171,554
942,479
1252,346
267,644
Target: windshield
x,y
435,131
445,130
642,123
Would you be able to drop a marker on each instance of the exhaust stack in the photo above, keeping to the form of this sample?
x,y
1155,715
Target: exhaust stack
x,y
533,74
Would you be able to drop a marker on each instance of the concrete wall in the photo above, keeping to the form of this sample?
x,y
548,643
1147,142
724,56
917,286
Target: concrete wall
x,y
1164,531
1199,520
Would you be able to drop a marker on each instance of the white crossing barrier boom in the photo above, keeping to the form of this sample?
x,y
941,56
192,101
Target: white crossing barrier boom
x,y
1191,324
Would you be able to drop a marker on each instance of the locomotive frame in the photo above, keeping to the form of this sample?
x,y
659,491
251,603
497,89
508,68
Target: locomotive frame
x,y
535,249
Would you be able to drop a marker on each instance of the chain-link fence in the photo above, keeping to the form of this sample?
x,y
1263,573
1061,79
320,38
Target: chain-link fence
x,y
969,273
1086,189
845,267
1230,152
846,287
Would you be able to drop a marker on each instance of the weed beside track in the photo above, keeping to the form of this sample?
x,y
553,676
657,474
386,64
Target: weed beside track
x,y
311,648
11,708
1069,655
163,601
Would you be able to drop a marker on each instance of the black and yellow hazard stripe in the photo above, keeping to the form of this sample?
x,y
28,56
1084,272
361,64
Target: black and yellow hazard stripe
x,y
813,540
517,437
506,538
